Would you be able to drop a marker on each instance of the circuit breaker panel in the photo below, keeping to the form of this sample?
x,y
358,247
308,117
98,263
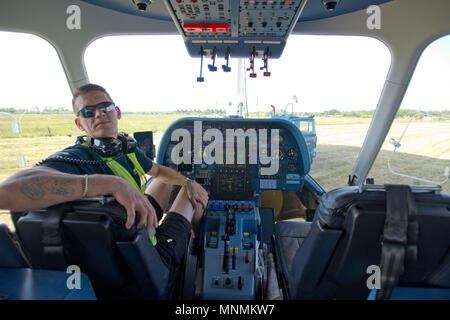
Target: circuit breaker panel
x,y
237,28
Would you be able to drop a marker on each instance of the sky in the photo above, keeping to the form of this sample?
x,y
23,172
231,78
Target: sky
x,y
323,72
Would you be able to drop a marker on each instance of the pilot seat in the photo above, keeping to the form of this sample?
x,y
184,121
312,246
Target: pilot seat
x,y
91,234
329,258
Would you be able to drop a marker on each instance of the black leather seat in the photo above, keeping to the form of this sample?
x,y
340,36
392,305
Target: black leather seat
x,y
290,235
121,263
345,238
11,256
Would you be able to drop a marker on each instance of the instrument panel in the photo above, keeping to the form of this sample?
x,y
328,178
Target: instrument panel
x,y
235,27
237,159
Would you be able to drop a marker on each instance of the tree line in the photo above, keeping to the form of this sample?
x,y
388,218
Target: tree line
x,y
48,110
402,113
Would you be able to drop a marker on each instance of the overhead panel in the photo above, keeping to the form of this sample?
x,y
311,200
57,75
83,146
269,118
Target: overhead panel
x,y
237,28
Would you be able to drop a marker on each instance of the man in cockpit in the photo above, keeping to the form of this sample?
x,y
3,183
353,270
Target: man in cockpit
x,y
105,162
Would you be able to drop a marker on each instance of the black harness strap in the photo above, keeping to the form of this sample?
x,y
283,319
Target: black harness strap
x,y
52,237
413,231
400,236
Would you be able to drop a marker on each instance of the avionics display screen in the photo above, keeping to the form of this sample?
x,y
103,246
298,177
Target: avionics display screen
x,y
232,183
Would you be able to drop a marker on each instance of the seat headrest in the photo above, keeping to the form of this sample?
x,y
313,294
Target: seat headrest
x,y
333,205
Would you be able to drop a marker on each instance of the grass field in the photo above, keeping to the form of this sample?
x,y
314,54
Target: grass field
x,y
425,150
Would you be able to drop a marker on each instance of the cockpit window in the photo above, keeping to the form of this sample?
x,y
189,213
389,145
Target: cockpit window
x,y
417,150
338,79
35,101
315,73
31,74
34,94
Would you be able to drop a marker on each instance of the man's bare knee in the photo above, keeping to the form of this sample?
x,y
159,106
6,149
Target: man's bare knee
x,y
183,205
160,191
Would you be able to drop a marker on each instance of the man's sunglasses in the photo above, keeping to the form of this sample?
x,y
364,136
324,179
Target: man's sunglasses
x,y
89,111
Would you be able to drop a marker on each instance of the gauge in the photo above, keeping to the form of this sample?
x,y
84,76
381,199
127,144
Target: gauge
x,y
291,154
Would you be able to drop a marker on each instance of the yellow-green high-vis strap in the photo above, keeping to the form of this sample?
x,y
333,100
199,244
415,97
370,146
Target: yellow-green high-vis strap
x,y
120,171
152,236
139,169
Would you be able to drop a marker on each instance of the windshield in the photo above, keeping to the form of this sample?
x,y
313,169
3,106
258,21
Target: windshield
x,y
157,80
307,127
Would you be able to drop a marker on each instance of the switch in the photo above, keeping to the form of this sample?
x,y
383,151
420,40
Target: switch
x,y
233,265
240,283
213,240
252,64
225,67
226,258
212,66
266,63
246,243
200,78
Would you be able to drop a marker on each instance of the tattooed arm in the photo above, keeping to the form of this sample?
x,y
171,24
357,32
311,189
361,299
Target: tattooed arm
x,y
42,187
39,188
